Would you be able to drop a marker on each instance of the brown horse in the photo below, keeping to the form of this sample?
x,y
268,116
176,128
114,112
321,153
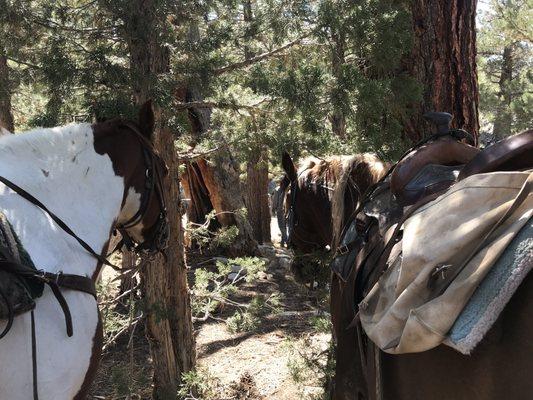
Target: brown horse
x,y
323,194
322,197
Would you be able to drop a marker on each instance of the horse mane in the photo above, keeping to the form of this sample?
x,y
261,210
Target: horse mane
x,y
364,170
333,174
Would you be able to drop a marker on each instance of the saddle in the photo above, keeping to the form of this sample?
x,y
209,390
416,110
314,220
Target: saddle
x,y
424,173
430,167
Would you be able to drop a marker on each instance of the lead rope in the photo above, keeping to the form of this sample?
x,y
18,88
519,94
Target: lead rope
x,y
34,357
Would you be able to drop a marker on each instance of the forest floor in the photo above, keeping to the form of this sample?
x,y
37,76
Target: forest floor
x,y
279,356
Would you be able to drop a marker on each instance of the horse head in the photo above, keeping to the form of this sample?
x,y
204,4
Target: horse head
x,y
308,207
323,196
142,221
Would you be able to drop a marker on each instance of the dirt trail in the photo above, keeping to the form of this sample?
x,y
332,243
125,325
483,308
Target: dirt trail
x,y
250,365
264,353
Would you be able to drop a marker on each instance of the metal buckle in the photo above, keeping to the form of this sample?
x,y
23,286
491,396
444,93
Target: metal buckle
x,y
58,276
342,250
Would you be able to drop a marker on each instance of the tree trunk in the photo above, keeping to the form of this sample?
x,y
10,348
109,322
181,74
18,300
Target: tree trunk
x,y
6,116
221,178
196,191
169,327
127,282
337,118
443,60
199,118
257,203
503,117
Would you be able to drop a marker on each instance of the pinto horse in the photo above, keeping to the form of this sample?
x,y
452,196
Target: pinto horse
x,y
95,178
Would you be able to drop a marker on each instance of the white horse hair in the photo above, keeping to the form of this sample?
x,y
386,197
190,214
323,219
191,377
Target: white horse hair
x,y
60,167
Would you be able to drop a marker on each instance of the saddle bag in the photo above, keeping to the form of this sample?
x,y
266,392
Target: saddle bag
x,y
17,294
447,248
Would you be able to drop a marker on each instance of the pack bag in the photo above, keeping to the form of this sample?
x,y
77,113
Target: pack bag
x,y
17,294
448,247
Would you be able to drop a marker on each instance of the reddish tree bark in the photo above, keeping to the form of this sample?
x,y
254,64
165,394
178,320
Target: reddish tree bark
x,y
196,191
221,178
443,60
6,116
257,203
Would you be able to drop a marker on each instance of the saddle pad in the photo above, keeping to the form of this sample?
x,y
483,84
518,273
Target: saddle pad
x,y
412,308
492,295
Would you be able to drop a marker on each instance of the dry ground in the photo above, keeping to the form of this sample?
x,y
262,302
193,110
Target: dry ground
x,y
257,364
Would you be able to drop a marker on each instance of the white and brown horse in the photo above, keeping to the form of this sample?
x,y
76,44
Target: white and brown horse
x,y
93,177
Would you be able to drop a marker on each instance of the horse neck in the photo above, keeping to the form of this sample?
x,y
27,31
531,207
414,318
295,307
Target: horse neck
x,y
61,168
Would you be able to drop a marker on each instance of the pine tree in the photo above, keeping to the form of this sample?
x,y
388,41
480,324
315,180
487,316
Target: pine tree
x,y
506,81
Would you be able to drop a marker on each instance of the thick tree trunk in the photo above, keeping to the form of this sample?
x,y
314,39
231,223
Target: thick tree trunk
x,y
257,203
6,116
221,178
164,280
443,60
503,117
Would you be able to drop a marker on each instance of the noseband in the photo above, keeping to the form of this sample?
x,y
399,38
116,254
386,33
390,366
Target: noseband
x,y
153,186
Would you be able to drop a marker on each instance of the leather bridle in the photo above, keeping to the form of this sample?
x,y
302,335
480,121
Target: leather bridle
x,y
292,218
153,187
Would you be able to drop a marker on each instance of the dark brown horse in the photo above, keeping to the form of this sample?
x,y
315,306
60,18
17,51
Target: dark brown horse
x,y
323,194
500,367
322,198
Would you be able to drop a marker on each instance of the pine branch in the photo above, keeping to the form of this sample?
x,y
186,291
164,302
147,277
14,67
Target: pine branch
x,y
258,58
27,64
212,104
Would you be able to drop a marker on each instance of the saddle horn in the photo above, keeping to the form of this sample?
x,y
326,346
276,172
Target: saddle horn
x,y
441,120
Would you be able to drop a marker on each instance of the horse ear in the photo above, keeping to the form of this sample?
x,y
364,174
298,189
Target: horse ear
x,y
288,166
147,119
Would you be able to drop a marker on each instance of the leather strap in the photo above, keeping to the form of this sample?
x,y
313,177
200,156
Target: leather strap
x,y
55,282
24,194
34,358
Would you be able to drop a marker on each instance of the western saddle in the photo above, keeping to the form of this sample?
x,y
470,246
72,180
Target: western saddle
x,y
423,173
